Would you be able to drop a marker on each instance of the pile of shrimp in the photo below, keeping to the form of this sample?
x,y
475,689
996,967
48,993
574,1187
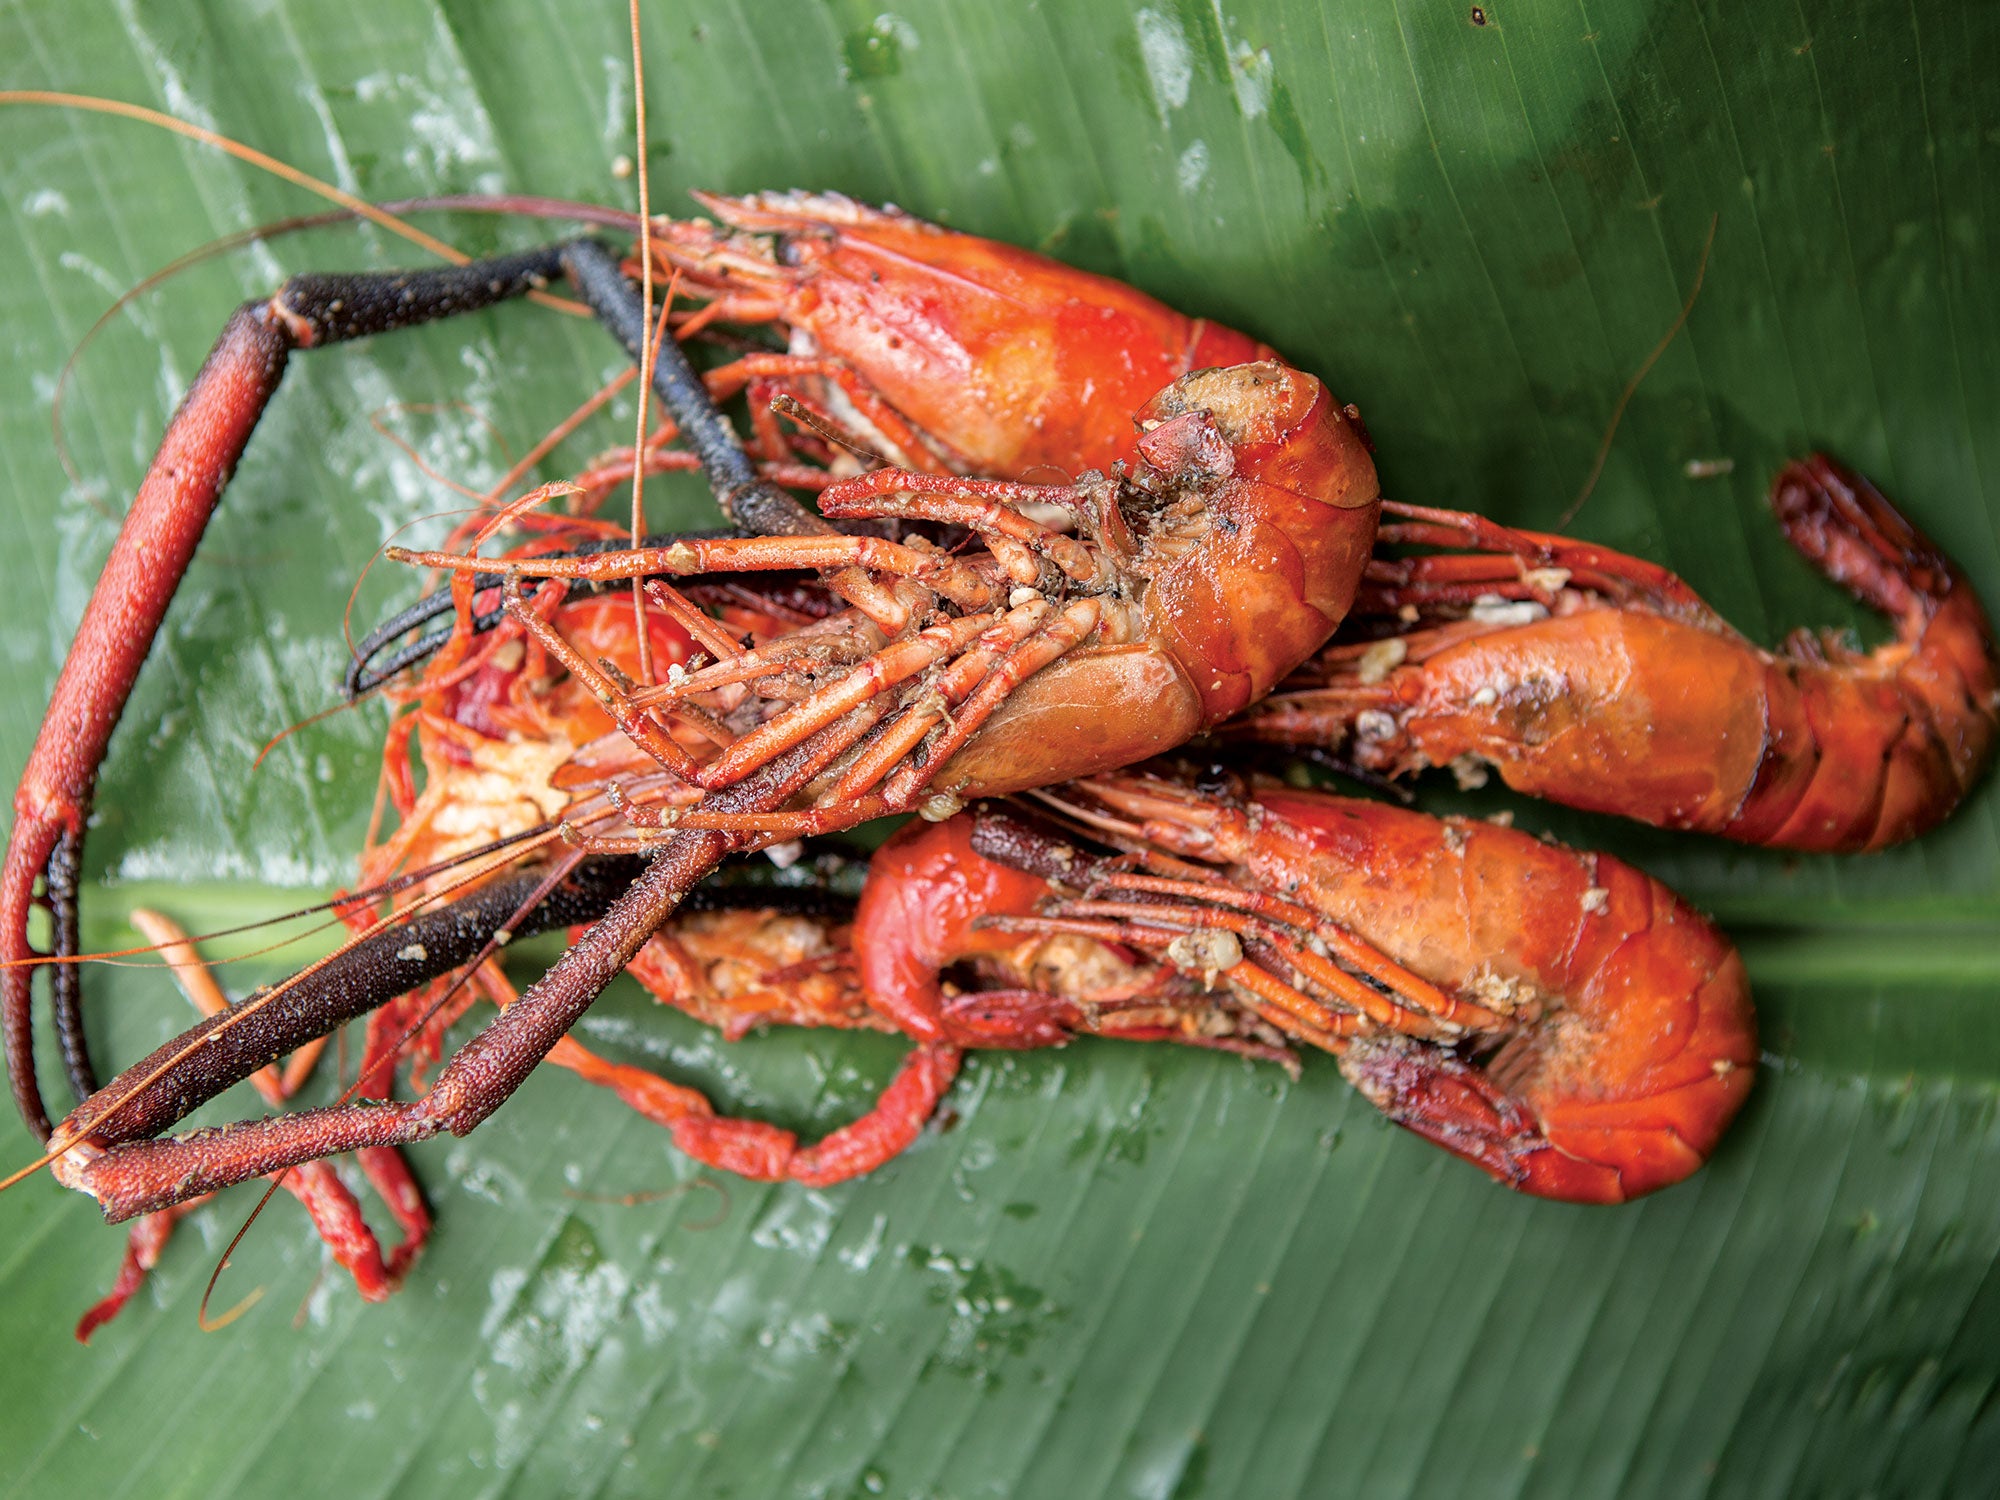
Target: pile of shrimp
x,y
1557,1018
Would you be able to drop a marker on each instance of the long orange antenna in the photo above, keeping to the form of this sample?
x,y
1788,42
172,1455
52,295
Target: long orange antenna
x,y
265,162
243,153
28,1171
1632,386
647,337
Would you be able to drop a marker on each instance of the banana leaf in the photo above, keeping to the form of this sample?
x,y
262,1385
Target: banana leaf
x,y
1111,1270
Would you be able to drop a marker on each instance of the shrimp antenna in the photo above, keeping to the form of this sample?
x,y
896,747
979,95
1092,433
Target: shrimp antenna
x,y
526,204
28,1171
1632,386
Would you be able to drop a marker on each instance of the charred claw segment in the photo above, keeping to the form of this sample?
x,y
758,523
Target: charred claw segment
x,y
1023,841
420,948
97,1145
228,1048
143,1178
198,454
66,979
333,309
161,530
752,503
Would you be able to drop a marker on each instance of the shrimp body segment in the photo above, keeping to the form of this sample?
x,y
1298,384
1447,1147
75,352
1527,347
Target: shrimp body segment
x,y
1557,1018
1602,682
1004,362
1234,582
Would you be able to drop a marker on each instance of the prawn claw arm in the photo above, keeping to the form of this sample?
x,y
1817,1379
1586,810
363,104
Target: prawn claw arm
x,y
197,457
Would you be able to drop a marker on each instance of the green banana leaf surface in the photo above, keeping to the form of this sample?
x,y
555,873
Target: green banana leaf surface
x,y
1110,1270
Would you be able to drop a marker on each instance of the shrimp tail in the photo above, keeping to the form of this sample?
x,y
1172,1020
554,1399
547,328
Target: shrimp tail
x,y
1577,1150
1432,1092
1935,690
1602,682
1846,528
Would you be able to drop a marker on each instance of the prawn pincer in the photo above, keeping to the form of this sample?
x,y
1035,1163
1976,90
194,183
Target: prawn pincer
x,y
1602,682
198,454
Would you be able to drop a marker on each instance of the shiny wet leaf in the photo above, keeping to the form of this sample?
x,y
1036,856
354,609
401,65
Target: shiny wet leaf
x,y
1120,1270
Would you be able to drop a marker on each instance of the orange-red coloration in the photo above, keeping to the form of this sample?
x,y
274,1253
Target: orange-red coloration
x,y
335,1213
1233,590
1622,1040
1628,695
925,912
1005,362
159,536
926,889
1222,561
